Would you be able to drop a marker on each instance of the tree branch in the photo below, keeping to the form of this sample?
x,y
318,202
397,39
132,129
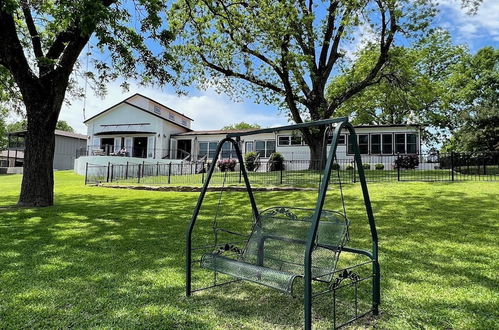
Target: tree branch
x,y
370,79
13,57
35,37
58,45
328,34
247,77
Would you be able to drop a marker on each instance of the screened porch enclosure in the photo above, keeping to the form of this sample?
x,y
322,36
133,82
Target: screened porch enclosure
x,y
125,146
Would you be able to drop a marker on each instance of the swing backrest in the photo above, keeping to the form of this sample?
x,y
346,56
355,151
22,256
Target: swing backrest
x,y
279,237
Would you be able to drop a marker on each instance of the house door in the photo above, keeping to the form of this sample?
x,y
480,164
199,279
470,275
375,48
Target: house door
x,y
183,148
140,147
107,144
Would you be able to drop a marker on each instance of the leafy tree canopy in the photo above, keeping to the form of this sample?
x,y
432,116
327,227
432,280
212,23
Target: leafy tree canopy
x,y
22,125
475,89
241,125
413,89
41,42
285,52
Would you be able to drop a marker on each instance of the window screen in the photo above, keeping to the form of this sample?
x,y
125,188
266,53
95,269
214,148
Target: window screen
x,y
375,144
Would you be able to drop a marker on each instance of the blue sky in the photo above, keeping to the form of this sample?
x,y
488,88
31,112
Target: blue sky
x,y
212,111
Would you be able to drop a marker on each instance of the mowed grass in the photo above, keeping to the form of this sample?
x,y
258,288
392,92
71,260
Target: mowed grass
x,y
113,258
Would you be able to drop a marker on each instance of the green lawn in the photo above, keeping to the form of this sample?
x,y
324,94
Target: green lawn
x,y
113,258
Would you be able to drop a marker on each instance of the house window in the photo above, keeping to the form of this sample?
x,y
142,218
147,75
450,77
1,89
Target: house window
x,y
157,110
207,148
228,150
248,147
363,144
400,143
287,140
341,139
411,143
184,122
375,144
284,140
171,116
362,141
212,147
265,148
350,144
203,149
387,143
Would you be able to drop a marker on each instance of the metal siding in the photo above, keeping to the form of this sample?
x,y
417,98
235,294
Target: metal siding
x,y
65,152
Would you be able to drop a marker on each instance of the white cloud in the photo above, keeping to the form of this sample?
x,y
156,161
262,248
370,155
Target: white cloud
x,y
485,24
209,110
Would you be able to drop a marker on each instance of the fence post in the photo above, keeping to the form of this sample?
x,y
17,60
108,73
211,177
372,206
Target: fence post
x,y
452,165
202,172
240,172
86,172
108,169
282,165
112,172
484,165
126,171
169,172
138,173
398,167
354,173
157,169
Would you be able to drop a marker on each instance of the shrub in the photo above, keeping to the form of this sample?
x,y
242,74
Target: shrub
x,y
227,165
336,166
379,166
366,166
276,162
250,160
406,162
349,167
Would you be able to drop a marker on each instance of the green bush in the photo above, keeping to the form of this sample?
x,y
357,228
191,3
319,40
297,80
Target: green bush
x,y
408,162
366,166
250,160
336,166
379,166
276,162
349,167
227,165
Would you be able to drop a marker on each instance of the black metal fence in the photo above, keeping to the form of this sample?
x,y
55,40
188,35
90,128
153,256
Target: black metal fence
x,y
305,173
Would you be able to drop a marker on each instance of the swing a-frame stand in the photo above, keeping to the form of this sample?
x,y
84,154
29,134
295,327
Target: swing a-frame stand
x,y
287,244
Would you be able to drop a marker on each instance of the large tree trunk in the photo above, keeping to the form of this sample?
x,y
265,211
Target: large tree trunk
x,y
315,141
37,188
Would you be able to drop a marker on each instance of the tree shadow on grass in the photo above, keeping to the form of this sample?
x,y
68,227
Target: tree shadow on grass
x,y
110,259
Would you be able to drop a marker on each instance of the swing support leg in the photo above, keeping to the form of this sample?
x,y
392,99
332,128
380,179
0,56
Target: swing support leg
x,y
315,223
188,247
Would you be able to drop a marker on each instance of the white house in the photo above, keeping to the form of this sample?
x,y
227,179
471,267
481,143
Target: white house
x,y
136,127
373,140
140,129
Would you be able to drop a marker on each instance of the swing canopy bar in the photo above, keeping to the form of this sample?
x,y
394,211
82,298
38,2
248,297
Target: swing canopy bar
x,y
287,243
291,127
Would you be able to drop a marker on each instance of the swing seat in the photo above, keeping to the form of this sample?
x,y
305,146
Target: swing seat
x,y
275,252
276,279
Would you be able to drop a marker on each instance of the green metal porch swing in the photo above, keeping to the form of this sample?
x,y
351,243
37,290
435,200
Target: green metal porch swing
x,y
288,243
